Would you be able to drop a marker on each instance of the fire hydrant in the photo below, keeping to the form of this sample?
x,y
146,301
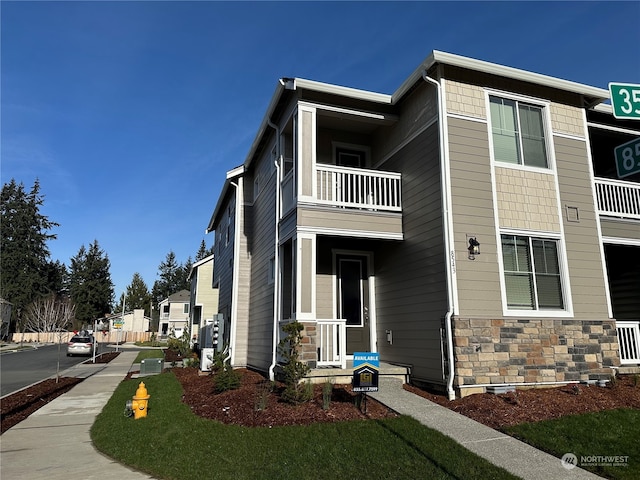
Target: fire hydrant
x,y
140,402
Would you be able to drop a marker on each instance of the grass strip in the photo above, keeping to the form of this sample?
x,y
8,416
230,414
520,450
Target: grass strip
x,y
172,443
592,437
148,354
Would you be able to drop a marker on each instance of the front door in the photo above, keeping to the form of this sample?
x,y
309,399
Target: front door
x,y
353,300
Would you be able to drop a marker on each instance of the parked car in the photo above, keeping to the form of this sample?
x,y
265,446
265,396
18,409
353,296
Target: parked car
x,y
80,345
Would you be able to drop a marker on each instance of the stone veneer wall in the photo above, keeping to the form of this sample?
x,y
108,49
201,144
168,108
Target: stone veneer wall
x,y
516,351
309,351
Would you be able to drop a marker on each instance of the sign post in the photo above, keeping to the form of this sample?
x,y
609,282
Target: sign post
x,y
365,374
625,100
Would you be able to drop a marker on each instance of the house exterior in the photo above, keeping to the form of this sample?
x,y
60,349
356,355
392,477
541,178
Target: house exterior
x,y
131,321
203,299
471,226
174,314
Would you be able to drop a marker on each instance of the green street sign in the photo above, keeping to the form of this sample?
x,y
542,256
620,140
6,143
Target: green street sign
x,y
628,158
625,99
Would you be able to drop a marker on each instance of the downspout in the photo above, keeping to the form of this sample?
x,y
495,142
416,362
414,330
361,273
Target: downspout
x,y
444,165
276,257
236,273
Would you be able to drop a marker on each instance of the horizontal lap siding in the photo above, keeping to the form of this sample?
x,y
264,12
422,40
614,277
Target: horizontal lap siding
x,y
262,249
620,229
581,238
410,275
473,214
349,220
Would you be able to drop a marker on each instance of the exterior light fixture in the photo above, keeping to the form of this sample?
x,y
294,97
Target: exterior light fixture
x,y
474,248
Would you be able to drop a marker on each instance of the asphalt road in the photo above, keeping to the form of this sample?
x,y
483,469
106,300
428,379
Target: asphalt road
x,y
28,366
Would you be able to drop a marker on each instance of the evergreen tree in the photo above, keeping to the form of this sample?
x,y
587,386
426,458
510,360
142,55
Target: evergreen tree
x,y
137,296
203,251
24,262
169,273
90,285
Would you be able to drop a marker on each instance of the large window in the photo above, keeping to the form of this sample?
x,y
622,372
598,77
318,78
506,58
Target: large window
x,y
531,273
517,129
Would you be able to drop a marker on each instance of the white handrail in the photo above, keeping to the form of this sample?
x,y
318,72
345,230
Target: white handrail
x,y
331,338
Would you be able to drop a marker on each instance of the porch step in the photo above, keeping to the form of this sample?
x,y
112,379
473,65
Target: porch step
x,y
344,375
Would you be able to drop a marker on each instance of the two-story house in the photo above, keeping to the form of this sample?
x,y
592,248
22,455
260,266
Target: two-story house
x,y
470,227
203,299
174,314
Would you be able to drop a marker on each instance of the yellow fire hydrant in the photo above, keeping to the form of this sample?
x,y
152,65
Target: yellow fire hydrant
x,y
140,402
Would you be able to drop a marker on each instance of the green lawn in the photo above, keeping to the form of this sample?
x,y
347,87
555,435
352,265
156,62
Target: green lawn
x,y
172,443
606,434
148,354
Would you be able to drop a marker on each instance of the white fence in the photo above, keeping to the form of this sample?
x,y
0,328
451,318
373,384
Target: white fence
x,y
629,342
618,198
112,336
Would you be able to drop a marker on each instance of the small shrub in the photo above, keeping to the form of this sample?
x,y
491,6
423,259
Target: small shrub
x,y
294,369
327,390
226,379
613,380
191,362
636,380
262,395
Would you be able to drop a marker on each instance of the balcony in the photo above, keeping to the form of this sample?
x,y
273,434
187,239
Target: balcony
x,y
618,199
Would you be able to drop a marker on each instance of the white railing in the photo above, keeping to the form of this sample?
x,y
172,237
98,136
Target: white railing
x,y
358,188
629,342
618,198
331,341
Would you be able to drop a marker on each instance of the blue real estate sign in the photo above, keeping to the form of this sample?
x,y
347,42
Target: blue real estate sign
x,y
365,371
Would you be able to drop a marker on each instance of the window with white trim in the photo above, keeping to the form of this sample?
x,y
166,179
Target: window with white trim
x,y
532,275
517,130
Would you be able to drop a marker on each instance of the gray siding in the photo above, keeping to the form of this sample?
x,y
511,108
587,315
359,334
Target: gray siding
x,y
472,207
261,249
581,238
620,229
410,275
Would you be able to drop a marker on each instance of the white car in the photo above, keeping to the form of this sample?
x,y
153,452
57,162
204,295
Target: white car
x,y
80,345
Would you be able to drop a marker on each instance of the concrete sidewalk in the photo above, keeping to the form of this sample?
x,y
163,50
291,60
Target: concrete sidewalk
x,y
502,450
54,442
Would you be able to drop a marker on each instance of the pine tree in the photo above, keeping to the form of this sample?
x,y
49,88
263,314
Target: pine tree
x,y
203,251
90,285
27,272
137,296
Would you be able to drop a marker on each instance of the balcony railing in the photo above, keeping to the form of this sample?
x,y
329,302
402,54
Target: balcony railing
x,y
332,343
629,342
358,188
618,198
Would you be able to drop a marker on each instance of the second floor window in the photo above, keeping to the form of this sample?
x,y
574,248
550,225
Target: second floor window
x,y
185,308
517,129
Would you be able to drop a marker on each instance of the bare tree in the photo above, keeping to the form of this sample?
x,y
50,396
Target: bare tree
x,y
50,314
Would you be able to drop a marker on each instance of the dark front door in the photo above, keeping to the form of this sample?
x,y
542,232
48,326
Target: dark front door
x,y
353,301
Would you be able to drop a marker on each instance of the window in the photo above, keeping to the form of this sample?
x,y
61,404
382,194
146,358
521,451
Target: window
x,y
185,308
531,273
350,155
272,270
517,130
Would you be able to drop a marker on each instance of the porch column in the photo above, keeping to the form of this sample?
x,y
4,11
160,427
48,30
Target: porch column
x,y
306,155
306,276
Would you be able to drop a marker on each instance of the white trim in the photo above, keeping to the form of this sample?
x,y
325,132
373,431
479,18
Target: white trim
x,y
303,316
612,128
342,91
447,199
298,155
384,118
621,241
577,138
594,199
470,118
564,275
369,255
350,233
366,150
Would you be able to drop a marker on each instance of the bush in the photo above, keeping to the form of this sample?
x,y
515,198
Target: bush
x,y
294,370
226,379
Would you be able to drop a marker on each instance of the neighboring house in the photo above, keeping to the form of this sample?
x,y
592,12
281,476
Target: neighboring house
x,y
471,227
204,296
131,321
174,314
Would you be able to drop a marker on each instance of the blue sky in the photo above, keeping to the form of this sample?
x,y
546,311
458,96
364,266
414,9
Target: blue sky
x,y
130,113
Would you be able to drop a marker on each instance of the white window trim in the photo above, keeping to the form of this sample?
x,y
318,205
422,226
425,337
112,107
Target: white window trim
x,y
564,276
546,123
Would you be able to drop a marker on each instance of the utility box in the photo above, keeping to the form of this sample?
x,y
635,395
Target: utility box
x,y
151,366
